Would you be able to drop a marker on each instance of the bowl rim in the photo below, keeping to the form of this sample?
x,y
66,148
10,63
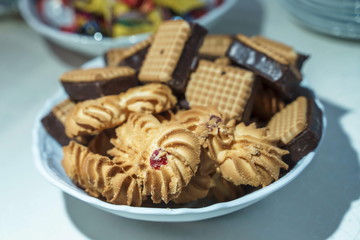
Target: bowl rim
x,y
41,27
251,197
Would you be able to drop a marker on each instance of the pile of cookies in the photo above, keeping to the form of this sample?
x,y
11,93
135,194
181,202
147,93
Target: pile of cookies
x,y
184,116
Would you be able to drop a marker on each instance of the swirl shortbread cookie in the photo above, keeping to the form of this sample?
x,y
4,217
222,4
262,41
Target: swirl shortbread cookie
x,y
99,176
213,132
164,157
92,116
253,159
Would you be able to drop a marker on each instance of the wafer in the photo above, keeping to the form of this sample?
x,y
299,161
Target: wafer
x,y
276,70
286,51
84,84
229,89
132,56
215,45
298,127
172,54
54,122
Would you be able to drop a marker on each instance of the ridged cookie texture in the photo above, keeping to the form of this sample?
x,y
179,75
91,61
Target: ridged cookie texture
x,y
253,159
164,157
92,116
213,132
99,176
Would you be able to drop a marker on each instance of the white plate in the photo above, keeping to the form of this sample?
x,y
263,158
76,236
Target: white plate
x,y
48,156
88,45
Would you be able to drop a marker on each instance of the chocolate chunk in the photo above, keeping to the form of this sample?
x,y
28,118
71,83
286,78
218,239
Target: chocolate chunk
x,y
282,77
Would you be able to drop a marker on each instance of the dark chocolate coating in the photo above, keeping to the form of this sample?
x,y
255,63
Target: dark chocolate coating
x,y
300,60
309,139
81,91
186,62
280,77
55,128
135,61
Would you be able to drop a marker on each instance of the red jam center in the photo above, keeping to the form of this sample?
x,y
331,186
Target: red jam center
x,y
158,158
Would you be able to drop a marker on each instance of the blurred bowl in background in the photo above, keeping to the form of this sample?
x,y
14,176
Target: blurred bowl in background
x,y
90,46
340,18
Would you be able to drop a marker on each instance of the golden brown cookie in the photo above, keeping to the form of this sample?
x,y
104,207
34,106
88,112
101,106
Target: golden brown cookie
x,y
99,176
164,156
215,45
229,89
93,116
253,159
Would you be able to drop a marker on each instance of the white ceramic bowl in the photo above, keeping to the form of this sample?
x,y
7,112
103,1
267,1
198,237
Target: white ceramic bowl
x,y
88,45
48,156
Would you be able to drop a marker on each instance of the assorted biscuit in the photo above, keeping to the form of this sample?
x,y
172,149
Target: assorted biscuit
x,y
189,118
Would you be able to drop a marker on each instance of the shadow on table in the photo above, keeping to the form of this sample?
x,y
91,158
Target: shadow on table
x,y
311,207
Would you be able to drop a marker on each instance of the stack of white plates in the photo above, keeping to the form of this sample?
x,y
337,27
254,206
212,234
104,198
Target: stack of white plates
x,y
335,17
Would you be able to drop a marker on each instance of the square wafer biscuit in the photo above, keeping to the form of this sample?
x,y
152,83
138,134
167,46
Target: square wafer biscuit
x,y
289,122
227,88
171,54
215,45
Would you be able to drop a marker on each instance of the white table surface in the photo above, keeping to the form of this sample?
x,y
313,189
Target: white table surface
x,y
323,203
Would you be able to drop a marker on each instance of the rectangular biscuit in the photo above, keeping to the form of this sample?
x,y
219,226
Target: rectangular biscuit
x,y
84,84
215,45
276,70
230,89
286,51
172,54
298,127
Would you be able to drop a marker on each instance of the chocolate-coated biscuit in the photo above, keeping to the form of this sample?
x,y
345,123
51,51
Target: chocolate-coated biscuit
x,y
275,70
84,84
172,54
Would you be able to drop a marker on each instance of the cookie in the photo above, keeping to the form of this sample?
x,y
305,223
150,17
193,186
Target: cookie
x,y
132,56
54,123
298,127
93,116
276,71
215,46
253,159
164,157
229,89
171,55
99,176
85,84
286,51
